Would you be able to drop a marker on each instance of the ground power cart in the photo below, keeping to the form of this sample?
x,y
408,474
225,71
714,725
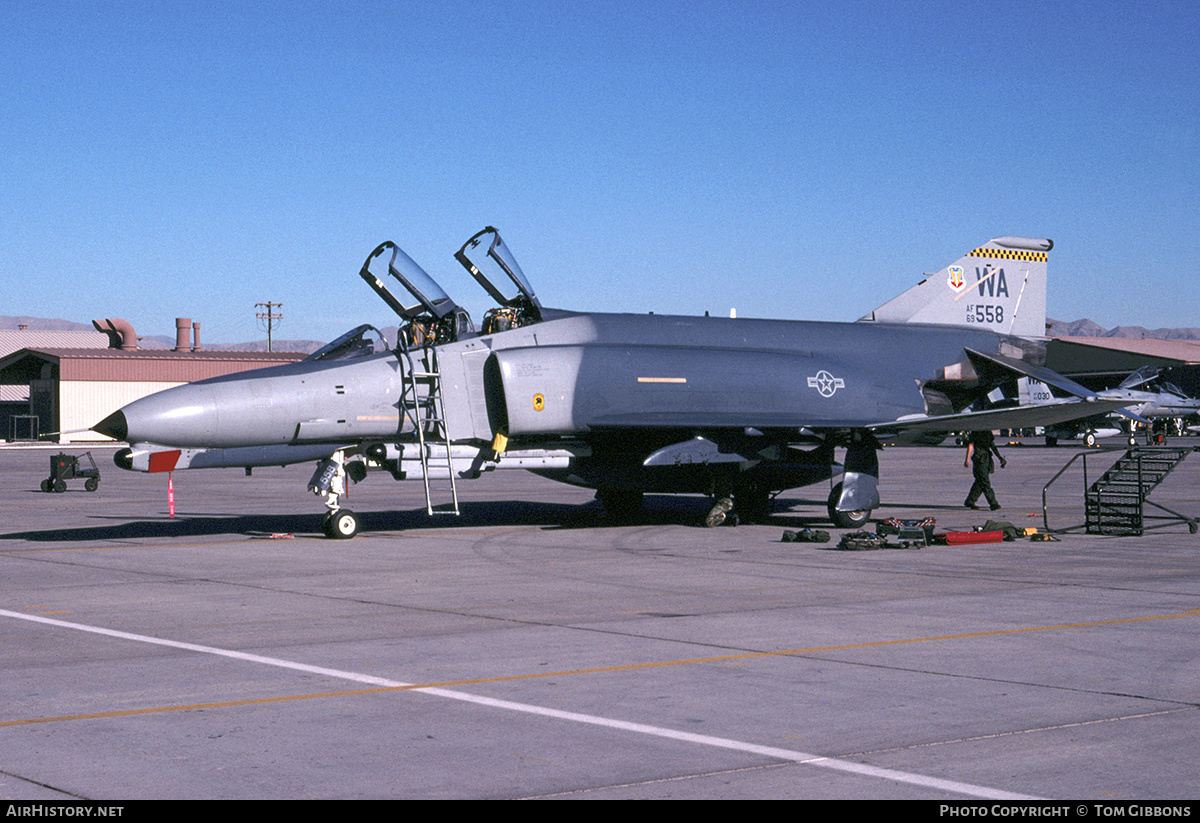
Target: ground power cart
x,y
64,467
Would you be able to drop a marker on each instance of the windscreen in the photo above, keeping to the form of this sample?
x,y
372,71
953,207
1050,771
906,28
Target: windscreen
x,y
361,341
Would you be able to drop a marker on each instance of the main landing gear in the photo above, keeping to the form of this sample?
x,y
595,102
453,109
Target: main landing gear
x,y
845,519
860,483
748,503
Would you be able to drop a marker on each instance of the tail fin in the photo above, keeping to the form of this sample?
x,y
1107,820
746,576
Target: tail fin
x,y
1000,286
1033,392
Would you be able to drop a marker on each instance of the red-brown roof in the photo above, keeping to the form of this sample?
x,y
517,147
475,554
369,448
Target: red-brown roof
x,y
151,365
1186,351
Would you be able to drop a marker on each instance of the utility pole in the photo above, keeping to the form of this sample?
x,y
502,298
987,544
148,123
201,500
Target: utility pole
x,y
267,319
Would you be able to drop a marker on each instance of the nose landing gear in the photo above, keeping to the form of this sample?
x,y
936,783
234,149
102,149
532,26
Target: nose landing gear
x,y
329,482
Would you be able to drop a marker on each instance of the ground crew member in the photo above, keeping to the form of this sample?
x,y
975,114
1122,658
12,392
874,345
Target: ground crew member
x,y
980,447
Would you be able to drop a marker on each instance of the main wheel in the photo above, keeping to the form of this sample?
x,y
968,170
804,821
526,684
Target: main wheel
x,y
846,520
1089,439
342,524
753,504
620,504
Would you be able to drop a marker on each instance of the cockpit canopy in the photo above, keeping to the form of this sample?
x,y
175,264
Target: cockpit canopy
x,y
430,317
427,297
517,293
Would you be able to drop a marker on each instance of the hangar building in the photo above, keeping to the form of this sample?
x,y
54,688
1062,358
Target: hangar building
x,y
55,385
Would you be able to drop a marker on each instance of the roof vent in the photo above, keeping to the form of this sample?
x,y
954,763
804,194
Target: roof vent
x,y
120,334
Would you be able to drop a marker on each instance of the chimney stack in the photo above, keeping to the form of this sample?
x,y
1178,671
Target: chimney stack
x,y
182,333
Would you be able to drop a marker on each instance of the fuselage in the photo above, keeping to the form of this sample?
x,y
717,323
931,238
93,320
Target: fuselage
x,y
575,375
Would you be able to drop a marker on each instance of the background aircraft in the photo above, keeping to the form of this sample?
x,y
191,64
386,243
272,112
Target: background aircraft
x,y
626,404
1147,400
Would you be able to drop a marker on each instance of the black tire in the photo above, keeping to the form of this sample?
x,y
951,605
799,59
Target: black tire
x,y
91,484
60,486
753,505
845,520
343,524
620,504
47,485
1089,439
1051,441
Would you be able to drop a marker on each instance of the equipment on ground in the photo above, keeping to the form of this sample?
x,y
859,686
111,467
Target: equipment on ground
x,y
64,467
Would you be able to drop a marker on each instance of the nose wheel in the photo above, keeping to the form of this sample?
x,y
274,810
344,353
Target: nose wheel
x,y
329,483
340,524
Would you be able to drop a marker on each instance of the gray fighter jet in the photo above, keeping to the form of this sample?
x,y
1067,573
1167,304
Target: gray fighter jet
x,y
1146,400
625,404
1166,401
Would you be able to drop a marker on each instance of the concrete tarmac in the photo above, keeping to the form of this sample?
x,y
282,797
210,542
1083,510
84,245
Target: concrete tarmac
x,y
530,649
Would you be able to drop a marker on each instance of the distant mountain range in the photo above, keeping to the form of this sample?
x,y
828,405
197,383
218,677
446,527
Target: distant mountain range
x,y
1086,328
1058,328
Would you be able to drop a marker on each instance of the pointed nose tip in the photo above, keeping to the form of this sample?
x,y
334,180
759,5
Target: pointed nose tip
x,y
114,426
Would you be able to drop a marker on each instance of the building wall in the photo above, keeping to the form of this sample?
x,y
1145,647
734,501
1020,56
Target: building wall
x,y
82,404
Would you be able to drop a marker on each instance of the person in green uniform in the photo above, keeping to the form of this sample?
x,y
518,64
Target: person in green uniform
x,y
980,448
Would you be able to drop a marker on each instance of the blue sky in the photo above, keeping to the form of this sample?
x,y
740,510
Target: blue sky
x,y
803,160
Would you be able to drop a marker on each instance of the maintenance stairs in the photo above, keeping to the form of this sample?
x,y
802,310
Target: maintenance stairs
x,y
425,407
1115,504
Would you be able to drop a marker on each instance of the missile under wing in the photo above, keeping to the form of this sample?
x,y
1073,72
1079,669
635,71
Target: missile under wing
x,y
738,409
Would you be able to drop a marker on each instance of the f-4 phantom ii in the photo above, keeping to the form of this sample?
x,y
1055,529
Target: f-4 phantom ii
x,y
625,404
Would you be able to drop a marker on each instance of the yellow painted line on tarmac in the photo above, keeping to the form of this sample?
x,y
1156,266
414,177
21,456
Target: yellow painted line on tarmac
x,y
597,670
257,701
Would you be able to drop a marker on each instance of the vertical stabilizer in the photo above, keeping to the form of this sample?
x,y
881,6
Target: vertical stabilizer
x,y
999,286
1033,392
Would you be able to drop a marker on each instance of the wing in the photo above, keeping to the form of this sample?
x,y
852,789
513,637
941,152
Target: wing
x,y
1018,417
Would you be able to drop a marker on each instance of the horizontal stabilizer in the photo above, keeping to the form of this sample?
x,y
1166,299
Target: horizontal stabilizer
x,y
999,365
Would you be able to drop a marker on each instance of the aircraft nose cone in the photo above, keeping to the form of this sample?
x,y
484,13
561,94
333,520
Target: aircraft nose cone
x,y
114,426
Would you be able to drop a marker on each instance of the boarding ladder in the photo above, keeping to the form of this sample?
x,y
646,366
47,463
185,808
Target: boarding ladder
x,y
1115,503
424,405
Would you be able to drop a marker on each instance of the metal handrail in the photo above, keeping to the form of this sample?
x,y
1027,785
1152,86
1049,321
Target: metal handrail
x,y
1192,523
1045,512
